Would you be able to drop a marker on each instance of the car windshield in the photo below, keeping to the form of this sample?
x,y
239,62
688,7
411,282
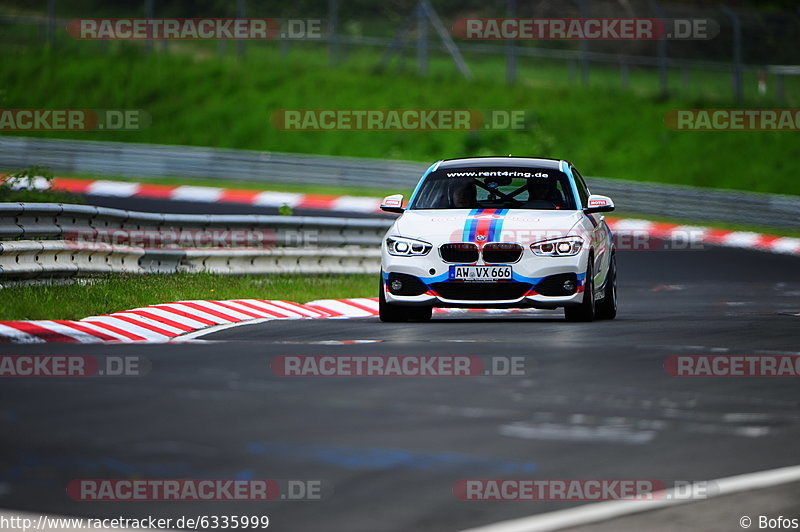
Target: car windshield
x,y
495,188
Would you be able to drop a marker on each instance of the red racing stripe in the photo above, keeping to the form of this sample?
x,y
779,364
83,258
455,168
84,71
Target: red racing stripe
x,y
78,326
78,186
484,223
315,201
240,311
213,312
122,332
239,196
327,311
155,191
144,325
162,319
271,312
204,321
39,331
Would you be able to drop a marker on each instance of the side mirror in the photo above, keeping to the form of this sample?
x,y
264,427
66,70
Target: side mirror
x,y
598,203
393,203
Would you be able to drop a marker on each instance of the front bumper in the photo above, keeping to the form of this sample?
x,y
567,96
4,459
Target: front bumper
x,y
528,273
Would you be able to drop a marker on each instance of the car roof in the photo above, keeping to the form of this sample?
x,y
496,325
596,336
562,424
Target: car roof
x,y
534,162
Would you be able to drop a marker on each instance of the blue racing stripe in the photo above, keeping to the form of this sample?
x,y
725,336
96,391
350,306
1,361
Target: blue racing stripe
x,y
470,225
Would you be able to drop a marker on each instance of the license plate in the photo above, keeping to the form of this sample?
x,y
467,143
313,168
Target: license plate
x,y
480,273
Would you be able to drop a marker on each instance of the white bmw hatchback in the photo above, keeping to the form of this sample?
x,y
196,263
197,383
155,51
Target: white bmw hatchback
x,y
499,232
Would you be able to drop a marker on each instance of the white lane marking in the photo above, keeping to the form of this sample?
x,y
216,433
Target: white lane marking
x,y
276,199
559,432
602,511
113,188
632,224
786,245
741,239
356,204
193,193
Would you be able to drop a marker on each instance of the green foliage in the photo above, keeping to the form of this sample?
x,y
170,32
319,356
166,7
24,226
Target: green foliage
x,y
33,185
198,98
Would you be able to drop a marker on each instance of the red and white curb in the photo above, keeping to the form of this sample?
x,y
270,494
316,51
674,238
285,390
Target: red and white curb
x,y
692,235
172,321
266,198
202,194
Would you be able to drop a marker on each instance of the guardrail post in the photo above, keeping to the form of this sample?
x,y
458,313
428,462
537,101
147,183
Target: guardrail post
x,y
422,42
149,8
240,13
662,53
51,21
737,51
333,28
584,45
511,47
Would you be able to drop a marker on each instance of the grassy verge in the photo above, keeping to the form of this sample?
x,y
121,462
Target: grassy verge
x,y
604,129
114,293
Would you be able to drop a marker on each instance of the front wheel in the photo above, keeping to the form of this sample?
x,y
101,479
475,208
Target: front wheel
x,y
395,313
606,308
584,311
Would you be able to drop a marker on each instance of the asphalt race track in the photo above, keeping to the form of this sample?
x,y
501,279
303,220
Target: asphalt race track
x,y
595,402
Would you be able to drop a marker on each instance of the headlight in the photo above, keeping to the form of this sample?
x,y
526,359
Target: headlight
x,y
558,247
406,247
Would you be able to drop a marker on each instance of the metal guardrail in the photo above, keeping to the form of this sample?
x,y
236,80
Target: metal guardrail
x,y
155,160
80,239
149,160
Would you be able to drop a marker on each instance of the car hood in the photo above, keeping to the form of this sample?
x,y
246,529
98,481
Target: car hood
x,y
512,225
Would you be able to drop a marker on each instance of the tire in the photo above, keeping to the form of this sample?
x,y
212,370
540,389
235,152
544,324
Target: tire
x,y
606,308
389,313
584,311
